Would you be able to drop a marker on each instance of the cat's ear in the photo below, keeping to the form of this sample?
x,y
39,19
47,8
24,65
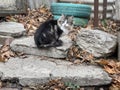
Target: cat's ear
x,y
63,15
70,20
71,17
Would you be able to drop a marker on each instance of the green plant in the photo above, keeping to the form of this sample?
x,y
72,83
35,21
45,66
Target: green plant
x,y
104,23
72,86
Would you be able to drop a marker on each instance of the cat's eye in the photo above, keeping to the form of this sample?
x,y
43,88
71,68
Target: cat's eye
x,y
61,21
70,22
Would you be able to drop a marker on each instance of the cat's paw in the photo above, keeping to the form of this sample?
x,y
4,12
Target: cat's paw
x,y
58,43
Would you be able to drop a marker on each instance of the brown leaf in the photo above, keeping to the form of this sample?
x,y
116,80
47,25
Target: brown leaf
x,y
118,65
1,84
77,61
41,19
5,53
34,28
8,54
114,88
4,48
102,62
43,10
32,21
109,70
89,57
8,41
2,59
112,64
56,89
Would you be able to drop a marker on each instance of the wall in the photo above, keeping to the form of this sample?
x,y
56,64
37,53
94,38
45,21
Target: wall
x,y
37,3
117,6
7,4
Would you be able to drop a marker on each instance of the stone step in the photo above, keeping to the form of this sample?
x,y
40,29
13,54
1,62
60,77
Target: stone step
x,y
8,89
35,70
4,38
11,29
27,46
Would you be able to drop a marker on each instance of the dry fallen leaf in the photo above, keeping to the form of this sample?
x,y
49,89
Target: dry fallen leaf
x,y
2,59
113,87
1,84
113,69
102,62
109,70
118,65
33,19
5,51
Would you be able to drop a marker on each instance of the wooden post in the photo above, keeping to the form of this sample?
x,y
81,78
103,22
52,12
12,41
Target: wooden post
x,y
104,8
117,6
117,19
118,34
96,4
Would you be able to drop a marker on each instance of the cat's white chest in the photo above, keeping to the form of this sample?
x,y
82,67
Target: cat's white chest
x,y
65,31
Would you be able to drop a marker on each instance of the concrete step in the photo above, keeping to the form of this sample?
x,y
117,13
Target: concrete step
x,y
35,70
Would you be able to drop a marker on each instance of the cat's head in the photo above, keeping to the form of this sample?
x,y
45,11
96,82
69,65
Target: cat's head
x,y
65,23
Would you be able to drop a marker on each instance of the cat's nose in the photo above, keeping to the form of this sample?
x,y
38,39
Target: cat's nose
x,y
67,25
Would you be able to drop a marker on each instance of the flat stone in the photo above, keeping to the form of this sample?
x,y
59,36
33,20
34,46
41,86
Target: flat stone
x,y
97,42
27,46
11,29
34,70
4,38
9,89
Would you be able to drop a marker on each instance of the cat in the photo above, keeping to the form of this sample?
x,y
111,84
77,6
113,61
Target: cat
x,y
48,33
65,23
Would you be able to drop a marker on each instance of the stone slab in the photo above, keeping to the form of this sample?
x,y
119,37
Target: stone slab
x,y
9,89
27,46
97,42
11,29
34,70
4,38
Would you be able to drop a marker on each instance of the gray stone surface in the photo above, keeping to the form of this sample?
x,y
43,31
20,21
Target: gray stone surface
x,y
34,70
99,43
27,45
4,38
9,89
11,29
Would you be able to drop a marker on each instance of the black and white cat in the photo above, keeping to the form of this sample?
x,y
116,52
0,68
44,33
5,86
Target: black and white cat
x,y
48,33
